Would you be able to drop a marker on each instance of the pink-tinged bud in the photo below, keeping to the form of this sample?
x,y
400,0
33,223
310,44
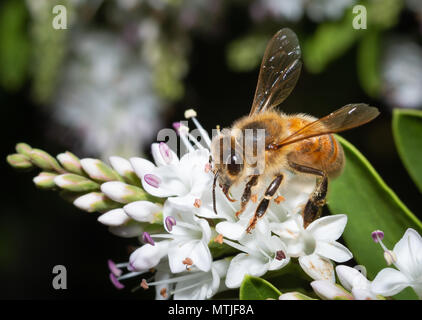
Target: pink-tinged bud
x,y
70,162
152,180
377,236
170,221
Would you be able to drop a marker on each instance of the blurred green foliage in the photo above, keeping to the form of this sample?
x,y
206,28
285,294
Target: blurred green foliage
x,y
14,44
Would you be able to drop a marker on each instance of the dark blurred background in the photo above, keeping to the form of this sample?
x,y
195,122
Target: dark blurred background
x,y
124,69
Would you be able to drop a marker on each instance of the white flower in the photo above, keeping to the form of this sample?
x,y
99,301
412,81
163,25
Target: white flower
x,y
182,181
194,284
407,258
260,252
188,285
355,282
188,240
316,245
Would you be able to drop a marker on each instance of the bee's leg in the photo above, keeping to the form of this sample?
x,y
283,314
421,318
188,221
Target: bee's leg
x,y
263,205
246,196
316,201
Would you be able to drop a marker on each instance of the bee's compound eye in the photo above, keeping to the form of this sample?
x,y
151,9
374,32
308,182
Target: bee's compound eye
x,y
234,165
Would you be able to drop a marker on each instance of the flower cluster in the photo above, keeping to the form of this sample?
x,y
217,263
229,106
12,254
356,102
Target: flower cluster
x,y
182,252
188,249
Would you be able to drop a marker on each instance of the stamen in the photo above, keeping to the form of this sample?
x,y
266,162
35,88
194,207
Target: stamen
x,y
237,246
377,236
165,152
144,284
183,131
129,275
113,268
207,168
116,282
146,237
390,257
197,203
177,279
163,293
188,262
190,287
192,114
170,221
152,180
219,239
280,255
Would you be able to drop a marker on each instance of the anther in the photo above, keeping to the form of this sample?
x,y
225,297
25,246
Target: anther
x,y
146,237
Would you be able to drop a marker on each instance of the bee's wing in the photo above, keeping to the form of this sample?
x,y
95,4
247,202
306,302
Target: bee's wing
x,y
347,117
280,70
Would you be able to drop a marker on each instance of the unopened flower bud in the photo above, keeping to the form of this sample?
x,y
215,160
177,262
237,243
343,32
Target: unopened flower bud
x,y
45,180
95,201
330,291
23,148
70,162
46,162
114,218
19,161
122,192
125,169
75,183
98,170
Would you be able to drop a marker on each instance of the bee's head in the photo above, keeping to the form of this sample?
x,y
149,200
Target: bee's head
x,y
228,162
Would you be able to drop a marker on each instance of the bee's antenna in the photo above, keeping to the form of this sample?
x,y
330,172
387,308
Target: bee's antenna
x,y
213,191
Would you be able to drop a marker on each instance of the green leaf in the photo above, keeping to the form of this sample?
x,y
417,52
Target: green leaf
x,y
254,288
369,204
407,131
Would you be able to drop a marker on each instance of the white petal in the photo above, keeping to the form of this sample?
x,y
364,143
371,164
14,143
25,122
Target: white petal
x,y
231,230
143,211
148,256
327,290
351,278
329,227
121,165
389,282
333,250
115,217
196,250
317,268
409,254
141,166
241,265
362,294
158,156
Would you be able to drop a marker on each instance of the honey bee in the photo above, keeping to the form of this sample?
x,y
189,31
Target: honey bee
x,y
299,143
